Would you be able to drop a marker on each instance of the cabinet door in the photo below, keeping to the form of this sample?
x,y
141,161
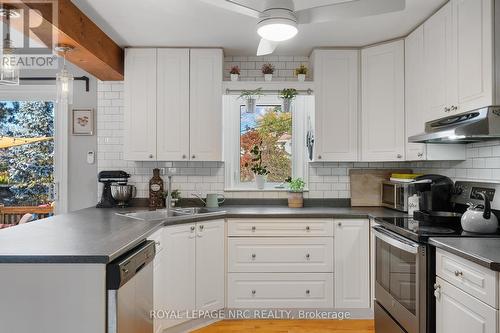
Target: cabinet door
x,y
352,262
140,105
336,74
383,132
414,93
474,24
210,275
173,104
206,105
440,59
158,279
179,267
458,312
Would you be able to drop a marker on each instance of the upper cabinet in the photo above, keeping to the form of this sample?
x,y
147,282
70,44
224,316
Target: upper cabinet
x,y
173,108
458,58
336,76
382,99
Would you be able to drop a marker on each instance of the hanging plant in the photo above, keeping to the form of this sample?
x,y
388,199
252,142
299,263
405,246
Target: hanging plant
x,y
250,97
287,95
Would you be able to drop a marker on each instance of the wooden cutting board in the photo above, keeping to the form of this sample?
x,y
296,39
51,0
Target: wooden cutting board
x,y
366,185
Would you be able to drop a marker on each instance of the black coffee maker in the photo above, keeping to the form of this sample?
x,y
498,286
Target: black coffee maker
x,y
108,178
435,192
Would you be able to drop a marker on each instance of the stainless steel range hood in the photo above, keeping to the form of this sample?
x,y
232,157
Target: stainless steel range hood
x,y
473,126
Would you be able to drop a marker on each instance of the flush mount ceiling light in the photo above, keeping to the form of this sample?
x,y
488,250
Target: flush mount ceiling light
x,y
278,20
64,79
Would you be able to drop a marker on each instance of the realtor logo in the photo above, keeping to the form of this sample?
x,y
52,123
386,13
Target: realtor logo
x,y
27,38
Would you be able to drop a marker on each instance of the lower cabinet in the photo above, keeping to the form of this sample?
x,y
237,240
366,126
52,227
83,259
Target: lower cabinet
x,y
458,312
352,263
193,274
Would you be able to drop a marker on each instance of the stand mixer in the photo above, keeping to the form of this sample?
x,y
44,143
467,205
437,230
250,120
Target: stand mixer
x,y
115,191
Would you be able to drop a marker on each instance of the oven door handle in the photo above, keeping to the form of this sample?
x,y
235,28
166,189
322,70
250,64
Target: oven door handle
x,y
395,240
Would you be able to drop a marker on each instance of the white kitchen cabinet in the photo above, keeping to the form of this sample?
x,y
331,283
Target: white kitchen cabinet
x,y
206,104
352,263
140,105
180,269
159,301
382,110
473,21
336,77
210,274
458,312
415,109
173,104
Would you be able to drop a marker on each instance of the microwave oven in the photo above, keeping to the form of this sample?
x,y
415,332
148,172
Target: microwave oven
x,y
395,195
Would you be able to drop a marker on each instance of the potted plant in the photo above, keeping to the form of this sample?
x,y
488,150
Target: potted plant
x,y
260,171
235,73
176,196
296,192
268,70
301,73
287,95
250,97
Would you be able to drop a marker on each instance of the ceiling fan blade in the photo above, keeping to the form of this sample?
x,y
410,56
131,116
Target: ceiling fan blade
x,y
347,10
234,7
266,47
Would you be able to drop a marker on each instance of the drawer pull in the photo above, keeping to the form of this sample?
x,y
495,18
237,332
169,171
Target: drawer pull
x,y
254,292
254,228
308,292
437,291
254,255
459,273
308,256
192,228
308,228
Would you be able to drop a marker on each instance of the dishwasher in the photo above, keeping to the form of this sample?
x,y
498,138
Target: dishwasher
x,y
129,282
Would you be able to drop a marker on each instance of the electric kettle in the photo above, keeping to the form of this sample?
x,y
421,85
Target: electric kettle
x,y
479,218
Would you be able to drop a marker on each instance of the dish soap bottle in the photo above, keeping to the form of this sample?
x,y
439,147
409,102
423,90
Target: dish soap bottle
x,y
156,191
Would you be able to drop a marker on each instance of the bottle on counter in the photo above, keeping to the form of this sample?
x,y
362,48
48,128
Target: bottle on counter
x,y
156,191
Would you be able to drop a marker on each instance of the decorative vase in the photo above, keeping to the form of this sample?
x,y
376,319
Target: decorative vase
x,y
301,77
295,199
235,77
251,104
285,106
260,181
268,77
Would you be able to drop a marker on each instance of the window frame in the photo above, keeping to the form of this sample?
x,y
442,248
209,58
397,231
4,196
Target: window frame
x,y
300,107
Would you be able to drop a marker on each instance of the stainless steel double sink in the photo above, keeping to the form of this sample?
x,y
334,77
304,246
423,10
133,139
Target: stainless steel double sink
x,y
174,213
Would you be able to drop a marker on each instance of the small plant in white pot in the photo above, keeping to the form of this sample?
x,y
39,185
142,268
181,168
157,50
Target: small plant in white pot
x,y
260,171
268,70
235,73
296,192
301,73
250,97
287,95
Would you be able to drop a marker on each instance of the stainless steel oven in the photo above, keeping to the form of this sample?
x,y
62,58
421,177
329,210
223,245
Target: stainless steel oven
x,y
395,195
401,281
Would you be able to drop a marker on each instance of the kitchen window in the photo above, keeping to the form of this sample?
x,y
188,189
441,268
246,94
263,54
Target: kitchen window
x,y
278,135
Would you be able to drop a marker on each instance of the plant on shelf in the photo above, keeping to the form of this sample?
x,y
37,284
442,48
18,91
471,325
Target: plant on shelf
x,y
235,73
295,192
250,97
176,196
260,171
301,72
268,70
287,95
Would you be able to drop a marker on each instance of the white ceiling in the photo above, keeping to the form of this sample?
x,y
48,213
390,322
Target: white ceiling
x,y
194,23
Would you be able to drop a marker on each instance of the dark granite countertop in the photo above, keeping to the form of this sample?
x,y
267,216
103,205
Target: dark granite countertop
x,y
100,235
483,251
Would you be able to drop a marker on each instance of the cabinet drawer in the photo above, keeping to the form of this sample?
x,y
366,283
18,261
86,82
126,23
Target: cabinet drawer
x,y
284,227
278,290
285,254
470,277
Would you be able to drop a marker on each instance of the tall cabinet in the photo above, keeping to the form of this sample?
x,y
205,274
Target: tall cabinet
x,y
336,77
173,104
382,99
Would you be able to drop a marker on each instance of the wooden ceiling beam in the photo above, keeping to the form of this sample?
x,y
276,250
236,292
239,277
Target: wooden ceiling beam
x,y
93,51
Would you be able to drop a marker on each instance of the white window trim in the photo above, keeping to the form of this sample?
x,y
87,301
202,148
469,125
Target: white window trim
x,y
61,120
299,108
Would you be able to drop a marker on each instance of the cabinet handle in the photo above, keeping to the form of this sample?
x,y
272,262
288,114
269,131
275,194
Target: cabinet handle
x,y
458,273
151,156
254,228
308,292
254,255
454,108
201,227
399,156
157,243
308,228
184,156
193,156
254,292
339,224
447,109
420,154
319,157
308,256
192,228
437,291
